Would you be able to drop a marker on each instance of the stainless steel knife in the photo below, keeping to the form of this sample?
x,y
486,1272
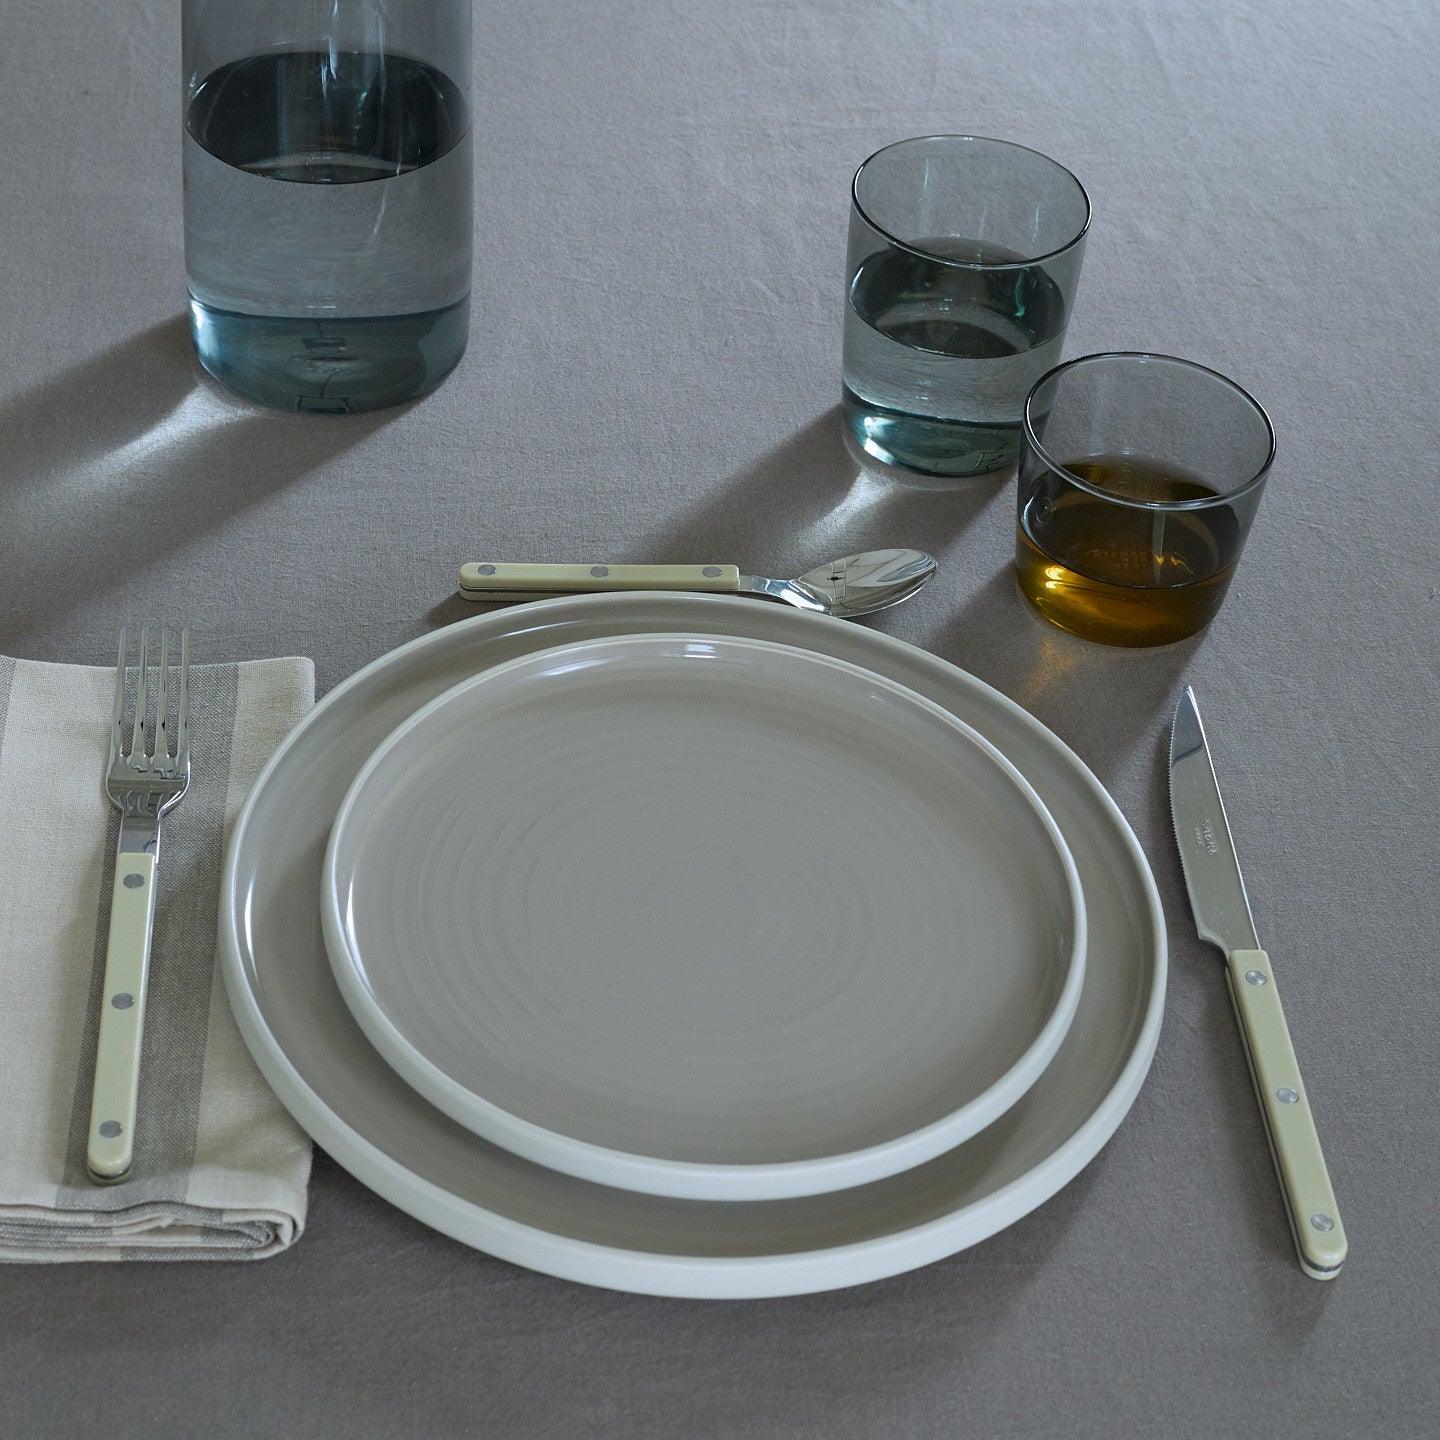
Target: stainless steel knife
x,y
1222,916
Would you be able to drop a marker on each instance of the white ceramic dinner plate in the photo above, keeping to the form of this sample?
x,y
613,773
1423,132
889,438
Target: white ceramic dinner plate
x,y
340,1089
703,916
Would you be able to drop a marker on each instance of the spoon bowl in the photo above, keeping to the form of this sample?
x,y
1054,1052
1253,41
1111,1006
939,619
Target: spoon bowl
x,y
854,585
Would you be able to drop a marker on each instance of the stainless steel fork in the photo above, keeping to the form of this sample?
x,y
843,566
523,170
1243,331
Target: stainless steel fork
x,y
143,783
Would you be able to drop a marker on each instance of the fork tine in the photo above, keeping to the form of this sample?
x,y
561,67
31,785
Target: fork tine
x,y
139,744
182,719
162,702
116,743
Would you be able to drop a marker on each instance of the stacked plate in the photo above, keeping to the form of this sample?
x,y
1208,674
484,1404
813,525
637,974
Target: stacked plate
x,y
692,946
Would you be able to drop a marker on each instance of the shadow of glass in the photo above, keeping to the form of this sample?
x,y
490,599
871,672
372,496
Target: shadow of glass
x,y
807,501
129,456
1102,700
803,503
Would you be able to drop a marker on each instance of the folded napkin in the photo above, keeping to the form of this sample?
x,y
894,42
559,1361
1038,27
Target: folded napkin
x,y
220,1169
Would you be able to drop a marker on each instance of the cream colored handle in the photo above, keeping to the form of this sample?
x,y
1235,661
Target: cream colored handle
x,y
111,1145
1294,1143
495,582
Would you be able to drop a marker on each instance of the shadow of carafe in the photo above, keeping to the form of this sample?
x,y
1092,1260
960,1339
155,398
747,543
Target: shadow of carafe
x,y
807,501
1104,701
128,457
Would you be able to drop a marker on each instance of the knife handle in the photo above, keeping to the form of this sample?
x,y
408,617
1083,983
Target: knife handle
x,y
111,1145
1289,1125
495,582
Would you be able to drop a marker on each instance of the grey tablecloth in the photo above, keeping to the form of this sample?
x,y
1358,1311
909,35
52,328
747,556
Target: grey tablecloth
x,y
653,374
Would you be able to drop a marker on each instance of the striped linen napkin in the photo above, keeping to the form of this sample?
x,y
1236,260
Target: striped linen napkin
x,y
220,1169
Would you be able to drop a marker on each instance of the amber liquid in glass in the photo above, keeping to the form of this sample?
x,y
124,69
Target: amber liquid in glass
x,y
1117,573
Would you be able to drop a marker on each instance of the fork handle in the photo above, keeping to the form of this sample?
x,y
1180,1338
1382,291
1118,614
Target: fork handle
x,y
111,1145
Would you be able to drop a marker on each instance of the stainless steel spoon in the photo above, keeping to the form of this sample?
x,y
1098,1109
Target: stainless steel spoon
x,y
853,585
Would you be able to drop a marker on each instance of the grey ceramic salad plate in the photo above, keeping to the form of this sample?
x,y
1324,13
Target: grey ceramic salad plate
x,y
703,916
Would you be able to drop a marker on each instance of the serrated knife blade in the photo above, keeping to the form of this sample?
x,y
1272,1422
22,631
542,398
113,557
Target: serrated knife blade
x,y
1222,917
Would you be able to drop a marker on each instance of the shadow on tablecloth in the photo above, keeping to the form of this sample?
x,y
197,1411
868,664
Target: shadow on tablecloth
x,y
1103,700
806,501
136,452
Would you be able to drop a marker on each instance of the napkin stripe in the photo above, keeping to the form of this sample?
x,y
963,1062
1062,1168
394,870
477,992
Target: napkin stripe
x,y
181,972
7,674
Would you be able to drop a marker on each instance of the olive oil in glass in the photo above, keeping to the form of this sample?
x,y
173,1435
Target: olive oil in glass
x,y
1131,569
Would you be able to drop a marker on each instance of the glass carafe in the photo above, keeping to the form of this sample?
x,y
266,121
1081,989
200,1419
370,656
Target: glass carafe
x,y
328,197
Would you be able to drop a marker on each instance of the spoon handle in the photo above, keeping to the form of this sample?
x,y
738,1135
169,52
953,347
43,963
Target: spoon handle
x,y
495,582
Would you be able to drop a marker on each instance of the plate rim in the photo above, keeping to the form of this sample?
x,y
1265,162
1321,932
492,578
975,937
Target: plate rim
x,y
585,1261
666,1176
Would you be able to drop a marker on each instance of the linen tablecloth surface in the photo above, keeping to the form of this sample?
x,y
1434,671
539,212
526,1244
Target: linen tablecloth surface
x,y
653,374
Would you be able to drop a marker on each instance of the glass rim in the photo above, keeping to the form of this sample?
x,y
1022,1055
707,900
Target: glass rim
x,y
982,265
1204,503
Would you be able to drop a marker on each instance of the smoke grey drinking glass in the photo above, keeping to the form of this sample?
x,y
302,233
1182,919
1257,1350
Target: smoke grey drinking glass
x,y
1139,480
328,197
964,257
